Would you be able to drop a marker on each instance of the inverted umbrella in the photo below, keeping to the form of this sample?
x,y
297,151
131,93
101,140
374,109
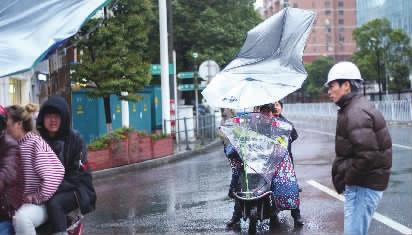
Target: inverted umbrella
x,y
269,65
30,28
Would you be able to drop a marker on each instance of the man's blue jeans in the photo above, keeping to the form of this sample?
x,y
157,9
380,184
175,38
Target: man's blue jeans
x,y
6,228
360,205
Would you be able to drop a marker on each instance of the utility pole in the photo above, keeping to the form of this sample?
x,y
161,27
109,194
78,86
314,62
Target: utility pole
x,y
170,43
195,55
164,61
379,74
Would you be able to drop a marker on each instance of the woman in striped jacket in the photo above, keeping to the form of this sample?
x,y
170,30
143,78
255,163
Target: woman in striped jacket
x,y
41,170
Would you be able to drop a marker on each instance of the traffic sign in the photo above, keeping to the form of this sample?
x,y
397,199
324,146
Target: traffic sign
x,y
208,69
185,75
155,69
190,87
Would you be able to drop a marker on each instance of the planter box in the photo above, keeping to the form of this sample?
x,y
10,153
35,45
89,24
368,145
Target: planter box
x,y
99,159
133,140
119,153
145,148
162,147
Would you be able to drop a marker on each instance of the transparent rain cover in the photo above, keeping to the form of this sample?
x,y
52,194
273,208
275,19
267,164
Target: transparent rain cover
x,y
261,142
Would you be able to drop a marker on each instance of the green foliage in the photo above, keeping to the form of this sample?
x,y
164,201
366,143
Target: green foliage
x,y
317,75
214,29
115,51
104,141
98,144
383,51
159,136
124,131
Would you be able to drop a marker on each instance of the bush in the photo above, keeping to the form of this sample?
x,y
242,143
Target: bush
x,y
97,144
103,141
158,136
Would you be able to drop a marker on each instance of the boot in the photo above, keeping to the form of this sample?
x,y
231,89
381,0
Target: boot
x,y
233,223
297,218
274,221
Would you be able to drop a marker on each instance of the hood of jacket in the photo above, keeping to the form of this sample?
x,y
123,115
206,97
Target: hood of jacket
x,y
52,105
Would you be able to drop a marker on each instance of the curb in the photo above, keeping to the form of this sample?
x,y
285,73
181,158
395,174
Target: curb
x,y
155,162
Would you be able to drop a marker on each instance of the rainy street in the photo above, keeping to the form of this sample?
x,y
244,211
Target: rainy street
x,y
190,196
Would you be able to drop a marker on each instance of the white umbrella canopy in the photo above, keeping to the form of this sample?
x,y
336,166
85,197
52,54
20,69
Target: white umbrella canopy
x,y
269,65
29,29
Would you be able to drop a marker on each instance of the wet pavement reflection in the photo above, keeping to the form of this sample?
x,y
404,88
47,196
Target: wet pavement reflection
x,y
190,196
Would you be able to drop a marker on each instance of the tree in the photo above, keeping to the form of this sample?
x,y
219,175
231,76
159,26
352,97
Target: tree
x,y
214,29
317,75
115,53
383,52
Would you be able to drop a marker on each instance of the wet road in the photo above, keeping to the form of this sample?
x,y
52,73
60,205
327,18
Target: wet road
x,y
191,196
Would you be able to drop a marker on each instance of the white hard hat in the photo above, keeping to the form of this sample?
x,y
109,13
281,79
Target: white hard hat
x,y
344,70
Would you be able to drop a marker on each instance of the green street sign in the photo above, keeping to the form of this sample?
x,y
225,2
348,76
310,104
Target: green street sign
x,y
185,75
155,69
189,87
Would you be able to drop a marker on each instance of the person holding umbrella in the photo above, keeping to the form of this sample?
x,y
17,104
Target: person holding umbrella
x,y
277,113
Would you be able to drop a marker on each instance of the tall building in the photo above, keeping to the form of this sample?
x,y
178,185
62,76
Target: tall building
x,y
332,31
398,12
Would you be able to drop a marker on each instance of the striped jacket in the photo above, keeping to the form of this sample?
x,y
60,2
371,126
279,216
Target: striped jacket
x,y
41,170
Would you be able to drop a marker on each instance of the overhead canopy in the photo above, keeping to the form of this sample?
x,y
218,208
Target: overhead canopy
x,y
30,28
268,67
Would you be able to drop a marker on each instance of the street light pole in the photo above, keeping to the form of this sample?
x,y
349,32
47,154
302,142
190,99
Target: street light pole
x,y
379,74
195,55
375,45
164,61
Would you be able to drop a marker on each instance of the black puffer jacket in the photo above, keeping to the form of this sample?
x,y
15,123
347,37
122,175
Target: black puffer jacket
x,y
72,152
363,146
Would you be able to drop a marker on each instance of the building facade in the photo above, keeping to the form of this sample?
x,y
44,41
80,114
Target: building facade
x,y
332,31
398,12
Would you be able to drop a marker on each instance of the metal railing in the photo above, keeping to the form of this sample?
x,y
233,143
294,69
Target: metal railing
x,y
396,110
184,134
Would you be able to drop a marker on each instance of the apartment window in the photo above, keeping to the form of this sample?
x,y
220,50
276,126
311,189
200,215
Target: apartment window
x,y
341,13
341,38
341,29
341,21
327,4
328,38
329,29
340,4
295,5
327,12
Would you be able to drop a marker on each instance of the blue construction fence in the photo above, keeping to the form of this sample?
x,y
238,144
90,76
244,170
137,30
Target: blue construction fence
x,y
89,119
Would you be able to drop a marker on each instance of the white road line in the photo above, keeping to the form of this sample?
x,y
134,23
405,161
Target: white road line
x,y
379,217
331,134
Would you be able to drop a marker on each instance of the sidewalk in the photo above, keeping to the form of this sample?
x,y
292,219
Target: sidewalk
x,y
180,154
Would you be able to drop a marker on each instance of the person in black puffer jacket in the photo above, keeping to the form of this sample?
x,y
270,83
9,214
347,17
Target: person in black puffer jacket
x,y
76,191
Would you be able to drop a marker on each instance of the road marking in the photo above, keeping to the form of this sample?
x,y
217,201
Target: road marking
x,y
331,134
379,217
